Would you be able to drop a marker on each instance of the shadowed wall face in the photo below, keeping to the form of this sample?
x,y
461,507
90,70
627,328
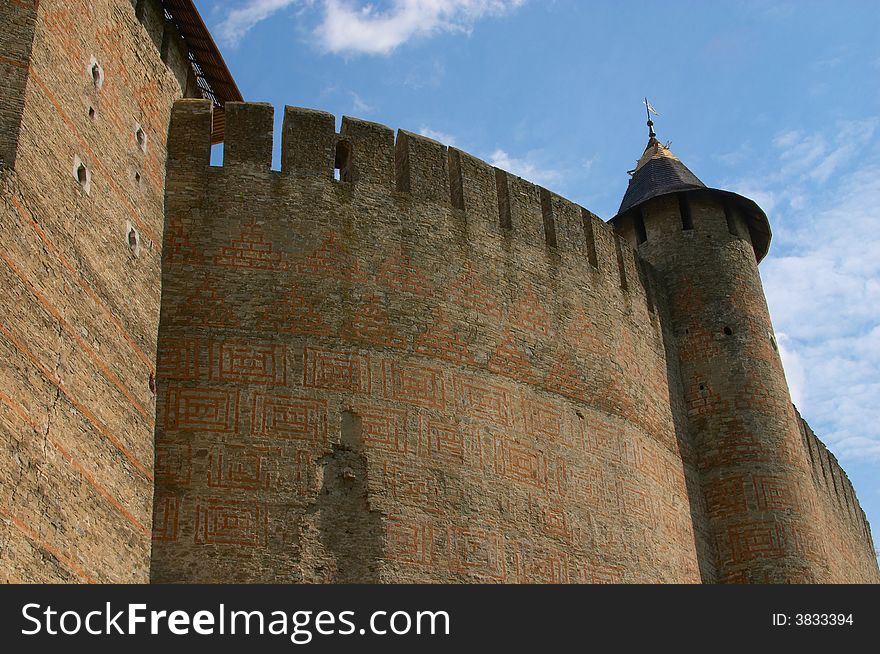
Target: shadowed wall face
x,y
392,378
84,110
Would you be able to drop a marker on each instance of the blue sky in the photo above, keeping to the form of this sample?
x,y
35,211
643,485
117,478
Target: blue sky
x,y
779,101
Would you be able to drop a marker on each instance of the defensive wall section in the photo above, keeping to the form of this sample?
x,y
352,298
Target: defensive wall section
x,y
84,111
843,522
387,361
424,370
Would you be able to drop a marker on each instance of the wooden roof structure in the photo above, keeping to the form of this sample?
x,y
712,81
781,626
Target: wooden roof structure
x,y
212,76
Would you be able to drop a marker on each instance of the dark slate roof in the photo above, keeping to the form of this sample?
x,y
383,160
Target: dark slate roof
x,y
660,175
659,172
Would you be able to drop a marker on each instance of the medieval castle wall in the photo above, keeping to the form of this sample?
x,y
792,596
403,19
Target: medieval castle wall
x,y
842,521
428,370
387,361
80,273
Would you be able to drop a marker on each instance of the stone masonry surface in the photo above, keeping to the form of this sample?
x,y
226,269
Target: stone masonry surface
x,y
386,362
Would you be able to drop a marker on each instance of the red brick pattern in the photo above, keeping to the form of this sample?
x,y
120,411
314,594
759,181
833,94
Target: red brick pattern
x,y
370,326
294,313
340,371
444,340
246,467
201,409
250,250
443,403
332,260
262,364
227,522
384,429
410,542
285,417
401,274
477,552
414,384
178,358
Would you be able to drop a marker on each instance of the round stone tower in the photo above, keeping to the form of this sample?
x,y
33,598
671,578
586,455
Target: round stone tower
x,y
760,507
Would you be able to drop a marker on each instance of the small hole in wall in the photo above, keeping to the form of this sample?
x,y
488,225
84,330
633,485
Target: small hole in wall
x,y
728,331
773,343
91,113
96,73
579,414
137,178
702,387
141,137
82,175
152,383
134,241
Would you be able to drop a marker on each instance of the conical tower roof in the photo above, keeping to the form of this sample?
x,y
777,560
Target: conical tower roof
x,y
659,172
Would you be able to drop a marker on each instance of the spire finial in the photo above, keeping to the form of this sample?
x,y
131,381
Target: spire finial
x,y
649,109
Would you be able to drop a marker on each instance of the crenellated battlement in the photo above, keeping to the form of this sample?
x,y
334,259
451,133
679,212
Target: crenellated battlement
x,y
368,158
385,361
494,342
830,477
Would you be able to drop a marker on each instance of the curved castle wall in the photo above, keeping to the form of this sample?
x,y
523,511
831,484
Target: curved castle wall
x,y
430,371
426,371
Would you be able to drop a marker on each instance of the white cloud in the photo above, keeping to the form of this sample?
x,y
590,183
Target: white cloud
x,y
362,28
354,26
239,21
445,139
822,279
360,105
526,167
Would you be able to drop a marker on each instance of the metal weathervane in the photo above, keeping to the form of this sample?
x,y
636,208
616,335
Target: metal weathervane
x,y
649,109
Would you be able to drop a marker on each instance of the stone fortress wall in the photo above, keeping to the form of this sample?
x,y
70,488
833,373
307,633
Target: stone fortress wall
x,y
843,522
80,278
399,377
387,361
473,376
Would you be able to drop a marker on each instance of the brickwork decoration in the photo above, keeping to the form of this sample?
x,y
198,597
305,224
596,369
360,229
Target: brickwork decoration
x,y
294,313
341,371
370,325
427,370
444,340
331,260
285,417
201,409
426,396
250,250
